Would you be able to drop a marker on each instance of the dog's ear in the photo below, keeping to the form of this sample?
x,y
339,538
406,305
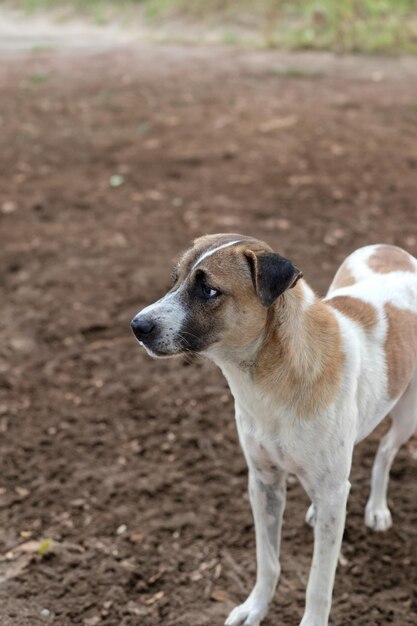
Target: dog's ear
x,y
271,274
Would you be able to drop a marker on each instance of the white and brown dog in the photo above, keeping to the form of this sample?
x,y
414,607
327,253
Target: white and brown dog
x,y
310,378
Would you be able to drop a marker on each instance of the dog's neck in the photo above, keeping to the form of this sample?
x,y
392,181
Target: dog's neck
x,y
297,355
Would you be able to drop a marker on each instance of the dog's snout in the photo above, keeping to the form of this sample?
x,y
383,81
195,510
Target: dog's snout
x,y
143,326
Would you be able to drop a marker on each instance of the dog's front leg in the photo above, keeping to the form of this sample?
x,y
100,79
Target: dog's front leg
x,y
267,497
330,506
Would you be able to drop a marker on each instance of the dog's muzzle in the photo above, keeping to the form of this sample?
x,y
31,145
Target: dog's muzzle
x,y
155,334
158,328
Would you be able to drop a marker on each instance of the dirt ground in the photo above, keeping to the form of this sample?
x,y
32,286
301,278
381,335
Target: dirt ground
x,y
132,466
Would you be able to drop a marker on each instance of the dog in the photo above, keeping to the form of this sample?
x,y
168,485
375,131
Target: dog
x,y
310,378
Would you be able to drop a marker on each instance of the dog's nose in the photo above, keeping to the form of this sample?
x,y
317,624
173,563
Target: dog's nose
x,y
142,326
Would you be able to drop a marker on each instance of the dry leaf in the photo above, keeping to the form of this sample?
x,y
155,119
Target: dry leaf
x,y
220,596
136,537
25,534
277,123
92,621
8,207
152,579
13,568
337,150
28,546
298,180
281,223
148,600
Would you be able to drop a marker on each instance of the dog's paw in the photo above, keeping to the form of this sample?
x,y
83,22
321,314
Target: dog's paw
x,y
311,516
250,613
378,518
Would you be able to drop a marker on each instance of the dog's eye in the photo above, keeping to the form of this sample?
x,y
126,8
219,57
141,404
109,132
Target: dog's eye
x,y
208,292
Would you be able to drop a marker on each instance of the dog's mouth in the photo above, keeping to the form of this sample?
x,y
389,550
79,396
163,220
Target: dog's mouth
x,y
158,350
181,347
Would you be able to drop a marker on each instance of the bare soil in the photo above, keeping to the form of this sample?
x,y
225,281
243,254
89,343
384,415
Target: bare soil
x,y
132,466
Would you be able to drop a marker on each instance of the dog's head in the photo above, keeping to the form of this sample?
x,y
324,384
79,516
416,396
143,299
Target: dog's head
x,y
222,289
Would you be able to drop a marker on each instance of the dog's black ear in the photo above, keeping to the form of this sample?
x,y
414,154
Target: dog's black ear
x,y
272,274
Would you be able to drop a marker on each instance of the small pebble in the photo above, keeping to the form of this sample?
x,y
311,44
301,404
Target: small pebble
x,y
116,180
45,613
121,529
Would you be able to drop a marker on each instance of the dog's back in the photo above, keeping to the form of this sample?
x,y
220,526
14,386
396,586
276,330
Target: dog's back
x,y
376,287
377,262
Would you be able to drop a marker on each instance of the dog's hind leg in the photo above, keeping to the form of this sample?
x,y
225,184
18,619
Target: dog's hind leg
x,y
404,424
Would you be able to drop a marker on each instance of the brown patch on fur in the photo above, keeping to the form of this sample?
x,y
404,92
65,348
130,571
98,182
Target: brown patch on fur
x,y
204,244
243,316
355,308
400,348
343,278
302,357
387,259
200,246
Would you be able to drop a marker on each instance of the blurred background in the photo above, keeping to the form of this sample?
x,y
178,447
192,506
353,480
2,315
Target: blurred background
x,y
127,129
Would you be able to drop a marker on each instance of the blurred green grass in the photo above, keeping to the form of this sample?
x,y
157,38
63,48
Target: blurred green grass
x,y
388,26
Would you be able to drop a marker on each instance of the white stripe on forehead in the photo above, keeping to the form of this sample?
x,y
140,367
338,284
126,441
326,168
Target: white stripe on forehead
x,y
211,251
